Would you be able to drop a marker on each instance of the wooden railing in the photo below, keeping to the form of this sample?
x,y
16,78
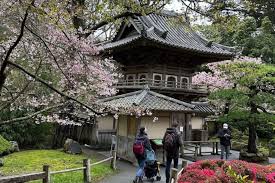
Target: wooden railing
x,y
195,148
46,174
175,173
160,84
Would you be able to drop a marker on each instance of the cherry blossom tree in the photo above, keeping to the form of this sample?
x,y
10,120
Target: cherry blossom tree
x,y
50,57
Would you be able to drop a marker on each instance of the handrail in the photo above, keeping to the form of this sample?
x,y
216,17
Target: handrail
x,y
161,84
102,161
67,170
25,177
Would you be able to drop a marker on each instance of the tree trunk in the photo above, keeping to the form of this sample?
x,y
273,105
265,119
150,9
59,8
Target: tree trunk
x,y
252,147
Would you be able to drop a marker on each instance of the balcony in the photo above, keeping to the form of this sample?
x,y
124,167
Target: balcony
x,y
168,86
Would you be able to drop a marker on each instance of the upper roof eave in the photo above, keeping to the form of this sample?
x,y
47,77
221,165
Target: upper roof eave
x,y
132,40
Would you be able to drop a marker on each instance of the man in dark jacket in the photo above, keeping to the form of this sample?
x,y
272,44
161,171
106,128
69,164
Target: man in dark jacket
x,y
171,142
142,136
225,136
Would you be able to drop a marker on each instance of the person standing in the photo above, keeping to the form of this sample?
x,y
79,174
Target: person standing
x,y
171,144
225,140
140,146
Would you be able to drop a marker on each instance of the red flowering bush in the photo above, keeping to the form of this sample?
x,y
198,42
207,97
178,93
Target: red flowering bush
x,y
270,177
216,171
271,167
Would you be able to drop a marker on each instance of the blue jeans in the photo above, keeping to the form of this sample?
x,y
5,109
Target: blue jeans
x,y
168,166
225,149
140,170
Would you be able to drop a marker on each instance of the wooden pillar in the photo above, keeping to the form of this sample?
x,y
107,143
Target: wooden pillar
x,y
200,153
213,147
114,123
113,161
47,178
196,153
188,136
87,171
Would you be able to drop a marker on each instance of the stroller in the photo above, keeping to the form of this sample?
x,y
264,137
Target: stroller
x,y
152,166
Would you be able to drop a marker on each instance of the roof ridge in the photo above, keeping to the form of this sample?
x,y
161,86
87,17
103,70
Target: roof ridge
x,y
172,99
119,96
140,97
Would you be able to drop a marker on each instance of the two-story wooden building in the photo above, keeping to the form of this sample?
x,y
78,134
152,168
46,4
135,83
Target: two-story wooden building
x,y
159,56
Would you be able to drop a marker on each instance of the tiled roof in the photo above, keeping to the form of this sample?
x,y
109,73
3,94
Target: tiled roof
x,y
147,99
161,29
203,107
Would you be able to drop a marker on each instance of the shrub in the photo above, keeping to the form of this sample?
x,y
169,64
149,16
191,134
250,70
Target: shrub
x,y
270,177
271,167
5,146
235,171
28,134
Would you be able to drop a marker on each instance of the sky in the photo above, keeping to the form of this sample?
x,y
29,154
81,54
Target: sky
x,y
177,6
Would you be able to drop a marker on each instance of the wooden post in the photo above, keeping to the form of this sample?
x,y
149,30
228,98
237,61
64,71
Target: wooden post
x,y
47,178
196,153
113,161
200,149
213,152
174,175
184,164
87,171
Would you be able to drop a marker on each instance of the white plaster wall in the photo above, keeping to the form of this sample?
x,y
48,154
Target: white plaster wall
x,y
155,130
196,122
105,123
122,125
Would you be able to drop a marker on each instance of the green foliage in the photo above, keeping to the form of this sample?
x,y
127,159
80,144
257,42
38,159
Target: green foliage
x,y
250,100
4,145
236,119
245,34
32,161
28,134
238,178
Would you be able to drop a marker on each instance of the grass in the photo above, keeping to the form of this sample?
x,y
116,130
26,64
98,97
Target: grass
x,y
4,145
33,160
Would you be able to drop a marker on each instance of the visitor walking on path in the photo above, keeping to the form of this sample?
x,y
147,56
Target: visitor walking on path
x,y
225,137
171,143
140,146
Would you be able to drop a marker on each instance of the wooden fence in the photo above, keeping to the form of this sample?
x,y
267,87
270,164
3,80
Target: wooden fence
x,y
175,173
46,174
194,148
105,138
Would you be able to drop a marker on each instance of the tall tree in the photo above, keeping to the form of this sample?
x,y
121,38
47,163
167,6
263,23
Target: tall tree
x,y
49,54
253,95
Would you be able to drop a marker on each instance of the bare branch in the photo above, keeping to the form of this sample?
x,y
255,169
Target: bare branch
x,y
31,115
13,46
51,87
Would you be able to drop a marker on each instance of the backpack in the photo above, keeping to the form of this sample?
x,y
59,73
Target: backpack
x,y
138,147
169,141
